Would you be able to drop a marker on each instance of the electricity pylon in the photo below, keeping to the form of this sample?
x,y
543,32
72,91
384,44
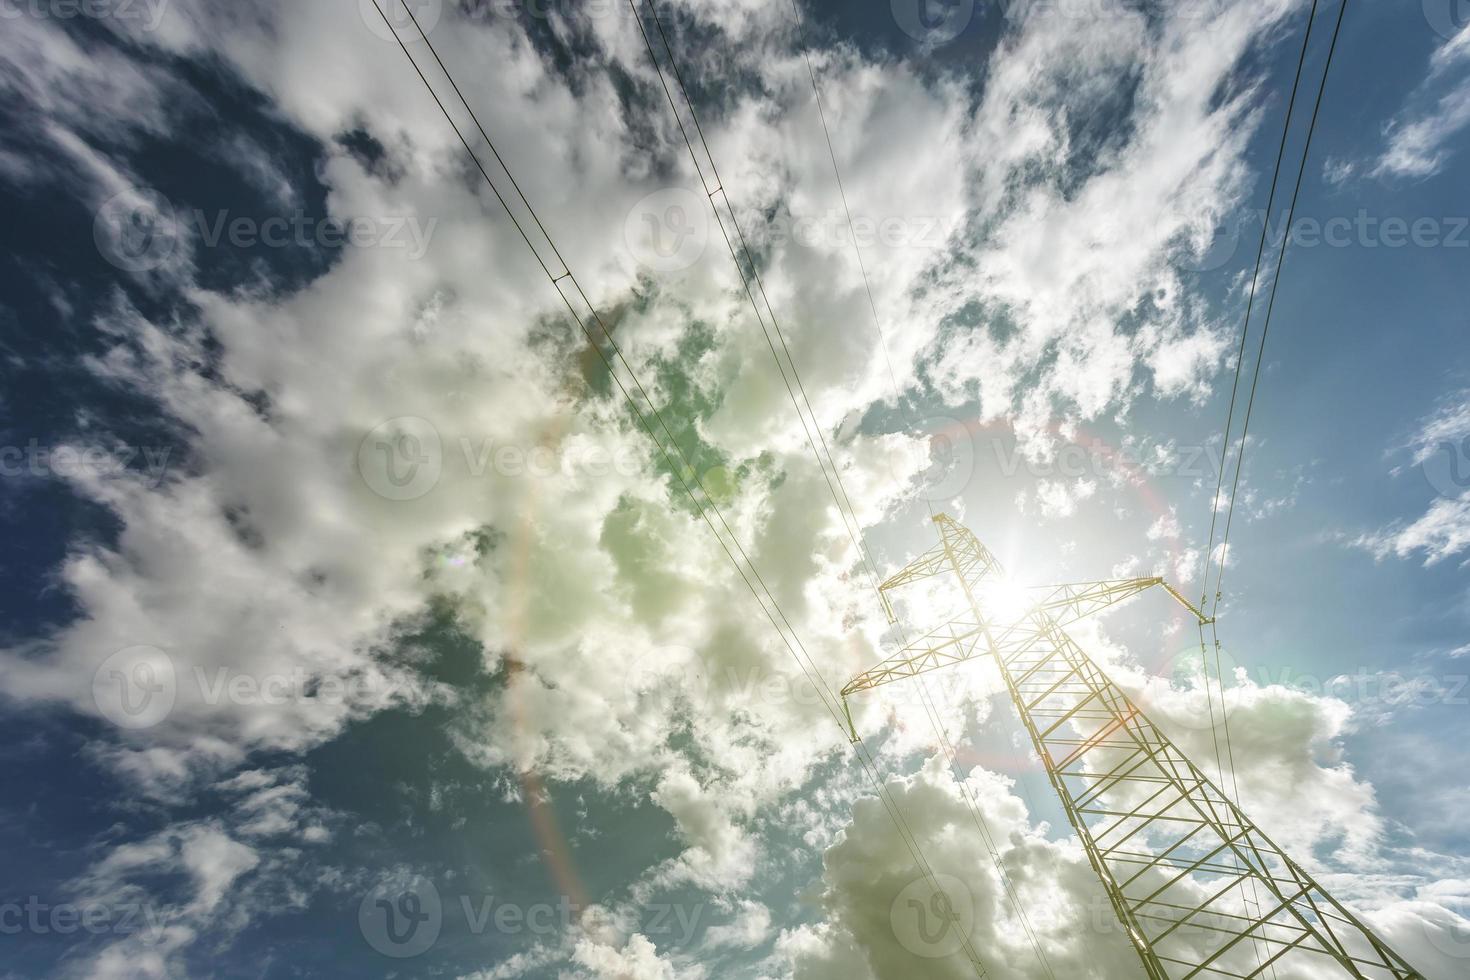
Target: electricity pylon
x,y
1199,889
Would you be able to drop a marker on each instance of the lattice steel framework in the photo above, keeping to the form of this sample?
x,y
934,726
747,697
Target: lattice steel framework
x,y
1198,888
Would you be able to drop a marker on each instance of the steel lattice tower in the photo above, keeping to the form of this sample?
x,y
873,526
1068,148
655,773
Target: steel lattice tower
x,y
1198,888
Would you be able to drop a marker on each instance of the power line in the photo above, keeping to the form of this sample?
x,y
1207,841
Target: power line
x,y
835,484
981,824
791,641
1260,357
1220,762
1251,299
1215,729
858,537
854,526
1275,285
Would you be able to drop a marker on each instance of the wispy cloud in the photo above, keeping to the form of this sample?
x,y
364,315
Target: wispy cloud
x,y
1418,138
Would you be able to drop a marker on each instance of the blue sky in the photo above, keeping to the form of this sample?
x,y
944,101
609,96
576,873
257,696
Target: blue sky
x,y
295,427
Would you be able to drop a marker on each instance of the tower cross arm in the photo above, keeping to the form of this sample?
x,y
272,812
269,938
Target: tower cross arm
x,y
954,642
1071,602
931,563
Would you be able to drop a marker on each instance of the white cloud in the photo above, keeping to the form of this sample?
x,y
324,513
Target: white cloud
x,y
1443,532
869,878
750,927
1416,144
1449,423
1418,137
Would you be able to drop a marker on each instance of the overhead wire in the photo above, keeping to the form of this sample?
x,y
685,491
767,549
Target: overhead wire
x,y
788,636
1235,385
1209,556
825,461
840,496
981,824
858,536
1260,357
1275,291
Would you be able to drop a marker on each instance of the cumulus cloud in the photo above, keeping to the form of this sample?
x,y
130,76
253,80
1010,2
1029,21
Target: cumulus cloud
x,y
875,899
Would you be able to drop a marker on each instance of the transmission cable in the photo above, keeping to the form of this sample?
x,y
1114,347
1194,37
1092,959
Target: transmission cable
x,y
1230,423
1271,306
1255,379
838,489
857,536
930,707
791,641
1260,357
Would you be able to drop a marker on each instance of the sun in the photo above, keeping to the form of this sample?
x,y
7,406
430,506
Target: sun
x,y
1004,601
